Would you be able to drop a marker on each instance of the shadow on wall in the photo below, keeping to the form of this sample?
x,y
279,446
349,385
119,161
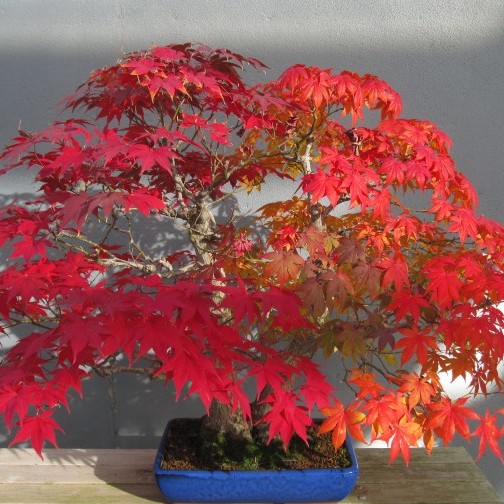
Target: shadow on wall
x,y
122,411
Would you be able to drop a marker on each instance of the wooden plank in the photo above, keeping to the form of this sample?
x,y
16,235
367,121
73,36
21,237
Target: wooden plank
x,y
451,472
441,455
79,494
425,492
78,474
133,494
78,466
449,475
125,476
444,464
75,456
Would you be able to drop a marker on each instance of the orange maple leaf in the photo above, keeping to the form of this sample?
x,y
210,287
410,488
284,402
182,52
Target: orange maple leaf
x,y
418,388
368,386
341,419
404,435
448,417
383,413
284,265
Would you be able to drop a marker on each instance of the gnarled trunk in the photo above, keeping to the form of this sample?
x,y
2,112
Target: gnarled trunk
x,y
221,420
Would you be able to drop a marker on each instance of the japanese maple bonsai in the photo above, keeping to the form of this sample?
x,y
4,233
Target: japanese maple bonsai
x,y
397,290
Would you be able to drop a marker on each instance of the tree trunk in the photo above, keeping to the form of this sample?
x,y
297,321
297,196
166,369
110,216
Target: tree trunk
x,y
224,436
221,420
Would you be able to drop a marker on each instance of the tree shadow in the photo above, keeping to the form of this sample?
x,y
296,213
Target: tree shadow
x,y
128,471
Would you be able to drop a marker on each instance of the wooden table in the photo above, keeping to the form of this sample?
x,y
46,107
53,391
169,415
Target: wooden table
x,y
125,477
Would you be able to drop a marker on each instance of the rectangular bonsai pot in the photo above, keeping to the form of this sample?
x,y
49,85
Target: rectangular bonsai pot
x,y
273,486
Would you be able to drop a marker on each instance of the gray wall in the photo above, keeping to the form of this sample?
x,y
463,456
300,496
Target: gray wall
x,y
446,58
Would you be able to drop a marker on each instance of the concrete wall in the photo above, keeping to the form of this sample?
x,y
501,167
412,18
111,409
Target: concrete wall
x,y
445,58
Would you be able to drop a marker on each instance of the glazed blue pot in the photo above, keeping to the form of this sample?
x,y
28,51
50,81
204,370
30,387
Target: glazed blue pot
x,y
273,486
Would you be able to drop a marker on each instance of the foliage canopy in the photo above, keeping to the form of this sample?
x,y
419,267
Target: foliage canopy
x,y
399,292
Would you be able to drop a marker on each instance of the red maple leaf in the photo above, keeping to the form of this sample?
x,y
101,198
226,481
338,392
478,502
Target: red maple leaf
x,y
245,306
464,222
395,272
37,429
217,131
379,95
442,208
419,172
357,181
29,246
273,372
170,83
144,202
16,400
316,390
313,240
292,76
489,434
416,343
321,184
31,282
444,282
77,207
167,53
187,364
406,302
142,66
349,93
149,156
286,417
338,285
67,157
394,171
350,250
283,308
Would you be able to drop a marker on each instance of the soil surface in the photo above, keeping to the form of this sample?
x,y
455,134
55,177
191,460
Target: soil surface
x,y
184,450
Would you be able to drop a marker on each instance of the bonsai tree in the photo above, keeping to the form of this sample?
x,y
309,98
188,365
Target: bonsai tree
x,y
133,257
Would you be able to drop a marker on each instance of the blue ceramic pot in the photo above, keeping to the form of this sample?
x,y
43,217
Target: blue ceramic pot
x,y
273,486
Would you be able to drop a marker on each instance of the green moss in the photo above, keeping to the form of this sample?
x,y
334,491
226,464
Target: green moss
x,y
185,450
